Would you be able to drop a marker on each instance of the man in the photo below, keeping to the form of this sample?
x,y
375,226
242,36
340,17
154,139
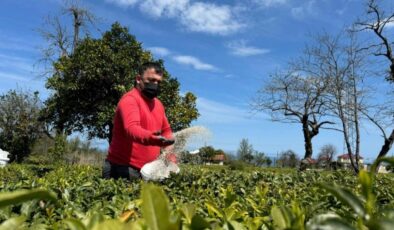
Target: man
x,y
140,129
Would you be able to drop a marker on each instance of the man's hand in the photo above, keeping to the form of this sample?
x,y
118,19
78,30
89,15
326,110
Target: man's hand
x,y
157,139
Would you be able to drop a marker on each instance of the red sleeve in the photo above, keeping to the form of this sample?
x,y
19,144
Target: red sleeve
x,y
130,115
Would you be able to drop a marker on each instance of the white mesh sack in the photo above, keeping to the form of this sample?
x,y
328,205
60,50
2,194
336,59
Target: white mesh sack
x,y
158,169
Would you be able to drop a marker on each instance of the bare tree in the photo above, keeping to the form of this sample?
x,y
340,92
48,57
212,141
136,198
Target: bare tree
x,y
62,43
81,17
326,155
377,20
343,63
297,95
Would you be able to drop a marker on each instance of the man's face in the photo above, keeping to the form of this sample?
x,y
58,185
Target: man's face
x,y
149,76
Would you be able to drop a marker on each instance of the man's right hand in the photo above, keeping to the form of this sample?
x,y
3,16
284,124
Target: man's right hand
x,y
157,139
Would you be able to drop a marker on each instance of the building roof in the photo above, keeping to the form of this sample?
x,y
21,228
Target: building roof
x,y
219,157
345,156
311,160
308,160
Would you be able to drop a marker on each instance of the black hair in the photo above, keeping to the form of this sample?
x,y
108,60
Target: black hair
x,y
157,66
151,65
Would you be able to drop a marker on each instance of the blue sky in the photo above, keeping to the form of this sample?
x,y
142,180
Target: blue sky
x,y
221,51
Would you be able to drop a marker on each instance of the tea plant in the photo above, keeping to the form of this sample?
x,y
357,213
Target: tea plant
x,y
75,197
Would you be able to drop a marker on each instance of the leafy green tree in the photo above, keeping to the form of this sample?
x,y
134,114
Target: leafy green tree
x,y
259,159
245,151
207,152
268,161
88,84
19,124
288,159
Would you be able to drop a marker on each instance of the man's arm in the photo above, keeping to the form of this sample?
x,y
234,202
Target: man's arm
x,y
129,113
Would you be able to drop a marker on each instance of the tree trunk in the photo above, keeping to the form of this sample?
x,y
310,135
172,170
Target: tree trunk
x,y
307,138
388,143
77,24
355,114
343,118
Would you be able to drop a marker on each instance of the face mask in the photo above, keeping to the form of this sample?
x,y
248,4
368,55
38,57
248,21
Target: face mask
x,y
151,90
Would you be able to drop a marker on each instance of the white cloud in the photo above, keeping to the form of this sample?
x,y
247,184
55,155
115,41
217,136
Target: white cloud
x,y
210,18
194,62
239,48
194,16
390,24
308,8
270,3
159,8
159,51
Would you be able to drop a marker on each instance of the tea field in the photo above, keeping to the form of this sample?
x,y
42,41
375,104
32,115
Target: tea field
x,y
200,197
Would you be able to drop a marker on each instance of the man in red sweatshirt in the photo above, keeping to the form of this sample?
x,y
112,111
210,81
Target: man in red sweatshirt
x,y
140,128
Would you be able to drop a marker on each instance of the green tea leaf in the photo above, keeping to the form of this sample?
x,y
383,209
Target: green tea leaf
x,y
236,226
366,183
347,197
111,225
199,223
280,217
75,224
11,198
156,208
188,211
13,223
94,220
329,221
213,209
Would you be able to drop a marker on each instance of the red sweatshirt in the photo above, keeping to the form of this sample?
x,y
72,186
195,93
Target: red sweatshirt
x,y
136,118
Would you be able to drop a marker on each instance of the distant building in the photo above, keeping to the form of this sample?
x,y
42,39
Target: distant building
x,y
344,159
307,163
3,158
217,159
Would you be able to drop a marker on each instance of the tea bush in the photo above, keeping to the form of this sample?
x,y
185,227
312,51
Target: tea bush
x,y
200,197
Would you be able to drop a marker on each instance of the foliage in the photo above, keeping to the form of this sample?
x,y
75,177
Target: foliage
x,y
207,152
259,159
59,150
245,151
237,165
197,198
88,84
19,124
288,159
